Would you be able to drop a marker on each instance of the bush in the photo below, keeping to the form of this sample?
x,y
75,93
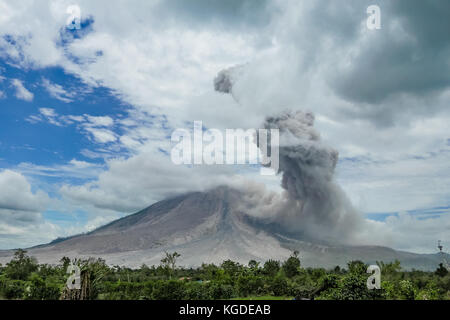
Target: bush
x,y
406,290
14,289
197,291
42,290
271,268
168,290
278,286
291,266
247,285
21,266
126,290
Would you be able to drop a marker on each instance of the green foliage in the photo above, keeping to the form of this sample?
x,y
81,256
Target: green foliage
x,y
23,278
39,289
197,291
169,262
278,286
12,289
169,290
430,292
390,268
352,285
357,267
221,291
21,266
271,268
231,268
441,271
406,290
247,285
126,290
291,266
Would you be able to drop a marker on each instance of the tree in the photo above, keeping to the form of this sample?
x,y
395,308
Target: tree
x,y
291,266
169,290
389,268
406,290
231,268
278,285
169,262
92,272
253,264
41,289
65,262
441,271
21,266
271,267
357,267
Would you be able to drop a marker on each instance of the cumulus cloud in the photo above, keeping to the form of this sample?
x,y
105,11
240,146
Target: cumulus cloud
x,y
134,183
17,195
21,222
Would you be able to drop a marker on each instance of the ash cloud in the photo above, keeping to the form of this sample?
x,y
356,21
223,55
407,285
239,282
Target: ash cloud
x,y
226,79
312,203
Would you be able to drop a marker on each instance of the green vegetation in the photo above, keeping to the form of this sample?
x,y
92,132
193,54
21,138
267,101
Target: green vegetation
x,y
24,278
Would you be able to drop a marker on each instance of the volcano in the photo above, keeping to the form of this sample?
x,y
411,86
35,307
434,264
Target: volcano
x,y
208,227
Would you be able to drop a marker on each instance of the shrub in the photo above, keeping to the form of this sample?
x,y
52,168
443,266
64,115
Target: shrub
x,y
42,290
291,266
271,268
278,286
168,290
14,289
247,285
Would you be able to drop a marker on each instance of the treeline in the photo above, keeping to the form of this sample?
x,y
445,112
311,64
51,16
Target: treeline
x,y
24,278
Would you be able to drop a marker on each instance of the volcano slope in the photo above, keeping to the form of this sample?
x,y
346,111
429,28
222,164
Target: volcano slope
x,y
207,227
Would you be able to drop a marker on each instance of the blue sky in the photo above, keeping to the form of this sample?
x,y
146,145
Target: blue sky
x,y
86,115
27,144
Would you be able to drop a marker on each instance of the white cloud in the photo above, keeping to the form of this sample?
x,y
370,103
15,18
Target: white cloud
x,y
94,126
26,234
17,195
21,223
102,135
74,169
134,183
48,112
57,91
165,66
51,116
21,92
96,121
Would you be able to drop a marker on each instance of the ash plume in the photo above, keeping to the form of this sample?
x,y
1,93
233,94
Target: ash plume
x,y
226,79
307,166
312,203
